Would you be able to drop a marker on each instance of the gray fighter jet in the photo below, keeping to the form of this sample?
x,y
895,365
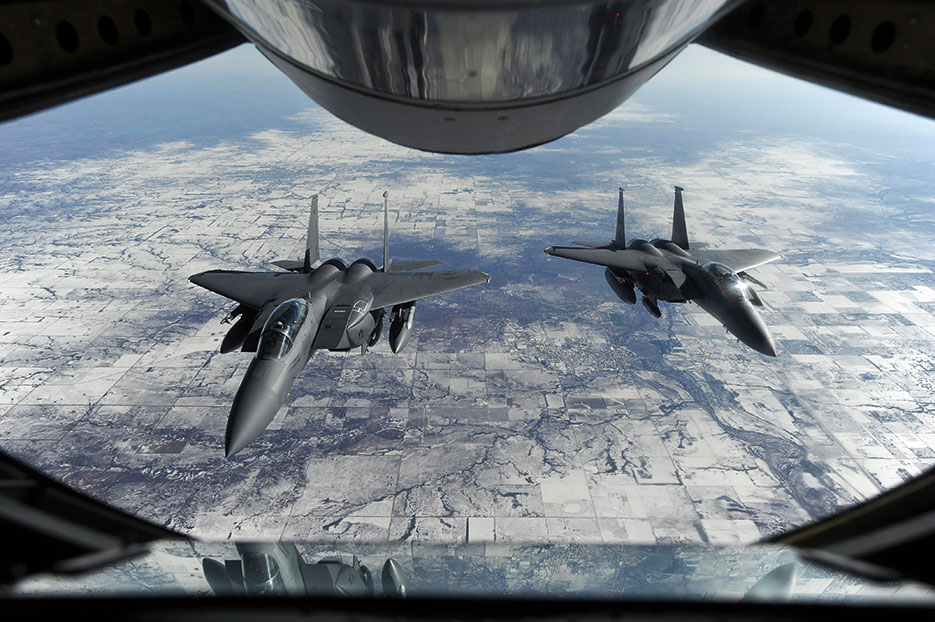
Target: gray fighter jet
x,y
286,316
277,569
672,271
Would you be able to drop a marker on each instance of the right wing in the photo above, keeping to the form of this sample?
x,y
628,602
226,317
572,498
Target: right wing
x,y
393,288
409,266
590,243
626,259
253,289
739,259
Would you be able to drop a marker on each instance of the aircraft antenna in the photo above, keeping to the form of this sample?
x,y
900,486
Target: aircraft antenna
x,y
311,240
386,232
679,231
620,240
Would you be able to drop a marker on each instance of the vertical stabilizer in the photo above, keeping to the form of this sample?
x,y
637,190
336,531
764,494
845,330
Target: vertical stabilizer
x,y
679,232
386,232
620,240
311,240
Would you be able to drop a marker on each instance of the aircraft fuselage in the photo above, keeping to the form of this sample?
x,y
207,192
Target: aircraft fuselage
x,y
714,287
285,316
336,315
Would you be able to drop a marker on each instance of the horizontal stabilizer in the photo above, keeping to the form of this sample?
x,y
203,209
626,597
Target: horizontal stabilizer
x,y
590,244
739,259
409,266
393,288
290,265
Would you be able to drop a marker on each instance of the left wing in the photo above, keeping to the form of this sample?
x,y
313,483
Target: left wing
x,y
289,264
254,289
737,260
392,288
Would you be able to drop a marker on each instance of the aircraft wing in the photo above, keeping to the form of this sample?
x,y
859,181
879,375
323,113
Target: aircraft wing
x,y
737,260
590,243
289,264
254,289
625,258
392,288
409,266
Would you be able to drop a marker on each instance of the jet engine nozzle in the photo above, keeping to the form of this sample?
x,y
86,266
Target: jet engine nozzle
x,y
650,305
401,325
623,287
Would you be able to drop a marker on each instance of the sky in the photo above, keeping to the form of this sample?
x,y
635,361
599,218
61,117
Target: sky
x,y
239,92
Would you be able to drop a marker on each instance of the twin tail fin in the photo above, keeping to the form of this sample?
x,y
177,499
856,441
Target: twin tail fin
x,y
679,231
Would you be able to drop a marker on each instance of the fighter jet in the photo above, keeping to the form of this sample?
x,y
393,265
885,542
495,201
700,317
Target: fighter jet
x,y
277,569
285,316
673,271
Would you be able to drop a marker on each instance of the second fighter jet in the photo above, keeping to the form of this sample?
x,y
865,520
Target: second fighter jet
x,y
286,316
672,271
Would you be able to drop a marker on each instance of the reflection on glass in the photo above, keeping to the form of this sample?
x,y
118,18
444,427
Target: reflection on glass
x,y
763,573
280,329
261,575
473,53
719,271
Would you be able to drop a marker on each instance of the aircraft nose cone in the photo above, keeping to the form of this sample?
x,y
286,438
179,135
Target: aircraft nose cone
x,y
253,410
755,334
772,349
765,346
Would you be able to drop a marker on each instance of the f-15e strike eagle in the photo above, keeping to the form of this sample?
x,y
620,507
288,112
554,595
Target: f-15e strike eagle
x,y
672,271
278,569
286,316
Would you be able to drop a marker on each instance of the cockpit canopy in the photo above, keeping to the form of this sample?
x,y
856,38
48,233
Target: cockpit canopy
x,y
719,271
726,279
281,328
